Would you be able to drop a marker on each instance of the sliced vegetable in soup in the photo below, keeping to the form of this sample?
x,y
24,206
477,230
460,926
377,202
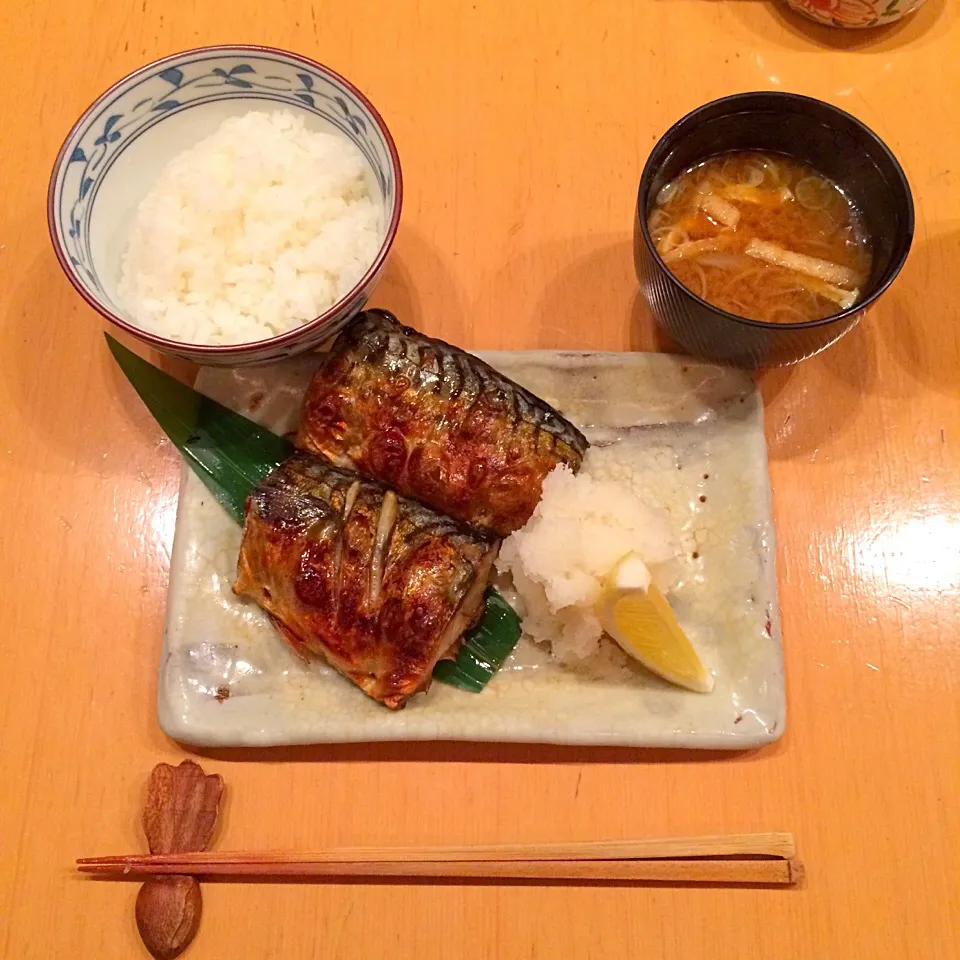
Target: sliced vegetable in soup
x,y
762,236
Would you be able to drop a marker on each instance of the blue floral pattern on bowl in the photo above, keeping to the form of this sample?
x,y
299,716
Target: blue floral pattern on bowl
x,y
181,83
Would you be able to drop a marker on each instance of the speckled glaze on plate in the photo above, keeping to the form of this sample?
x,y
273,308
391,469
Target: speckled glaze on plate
x,y
227,679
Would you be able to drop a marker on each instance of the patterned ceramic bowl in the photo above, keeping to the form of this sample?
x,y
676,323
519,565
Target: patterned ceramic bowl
x,y
116,150
854,13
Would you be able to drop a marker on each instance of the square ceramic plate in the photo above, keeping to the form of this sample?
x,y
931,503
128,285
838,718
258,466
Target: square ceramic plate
x,y
695,433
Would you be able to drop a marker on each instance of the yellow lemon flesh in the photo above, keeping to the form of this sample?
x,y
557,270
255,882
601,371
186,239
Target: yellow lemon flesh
x,y
634,612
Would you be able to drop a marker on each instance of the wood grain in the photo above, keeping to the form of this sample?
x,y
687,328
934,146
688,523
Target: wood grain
x,y
522,128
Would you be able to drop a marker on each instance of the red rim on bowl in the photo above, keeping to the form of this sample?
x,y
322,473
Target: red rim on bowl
x,y
281,339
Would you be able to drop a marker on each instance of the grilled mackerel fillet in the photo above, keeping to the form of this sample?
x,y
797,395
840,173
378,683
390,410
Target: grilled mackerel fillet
x,y
379,585
434,423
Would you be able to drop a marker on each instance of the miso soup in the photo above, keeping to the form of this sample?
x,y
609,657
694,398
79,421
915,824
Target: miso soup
x,y
762,236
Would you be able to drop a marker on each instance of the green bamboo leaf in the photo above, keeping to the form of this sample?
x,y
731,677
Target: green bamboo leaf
x,y
484,648
231,454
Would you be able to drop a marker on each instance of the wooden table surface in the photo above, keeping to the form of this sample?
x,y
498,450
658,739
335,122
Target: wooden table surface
x,y
522,128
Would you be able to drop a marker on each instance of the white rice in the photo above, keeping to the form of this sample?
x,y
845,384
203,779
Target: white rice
x,y
583,525
253,231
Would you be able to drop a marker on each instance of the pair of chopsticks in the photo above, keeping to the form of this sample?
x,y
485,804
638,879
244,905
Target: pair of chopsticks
x,y
749,858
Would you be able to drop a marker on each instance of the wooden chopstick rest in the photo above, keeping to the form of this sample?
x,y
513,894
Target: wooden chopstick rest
x,y
179,816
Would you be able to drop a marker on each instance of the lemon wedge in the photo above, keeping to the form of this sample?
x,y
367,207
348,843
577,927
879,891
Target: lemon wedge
x,y
634,612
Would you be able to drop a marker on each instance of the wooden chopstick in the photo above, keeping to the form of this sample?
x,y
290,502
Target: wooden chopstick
x,y
657,859
725,845
771,871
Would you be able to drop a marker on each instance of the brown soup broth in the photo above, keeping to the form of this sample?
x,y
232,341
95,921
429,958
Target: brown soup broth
x,y
809,256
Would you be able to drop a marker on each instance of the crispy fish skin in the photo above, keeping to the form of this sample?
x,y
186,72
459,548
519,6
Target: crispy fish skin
x,y
380,586
434,423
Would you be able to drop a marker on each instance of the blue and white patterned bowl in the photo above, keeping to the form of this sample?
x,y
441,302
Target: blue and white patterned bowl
x,y
117,149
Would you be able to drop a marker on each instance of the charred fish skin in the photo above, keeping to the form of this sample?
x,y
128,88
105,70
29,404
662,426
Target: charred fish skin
x,y
435,423
378,585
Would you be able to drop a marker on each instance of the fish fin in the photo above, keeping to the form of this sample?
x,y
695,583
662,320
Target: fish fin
x,y
296,644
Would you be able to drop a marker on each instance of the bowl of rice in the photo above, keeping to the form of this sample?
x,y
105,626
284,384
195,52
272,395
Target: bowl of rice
x,y
228,205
